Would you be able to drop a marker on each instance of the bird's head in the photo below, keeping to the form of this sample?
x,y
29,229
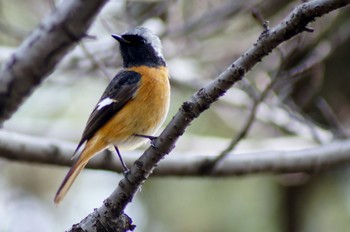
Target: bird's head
x,y
140,46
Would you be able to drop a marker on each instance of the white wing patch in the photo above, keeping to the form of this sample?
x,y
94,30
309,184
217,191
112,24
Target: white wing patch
x,y
105,102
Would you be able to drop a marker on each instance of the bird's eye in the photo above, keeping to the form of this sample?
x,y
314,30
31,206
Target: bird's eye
x,y
142,40
139,40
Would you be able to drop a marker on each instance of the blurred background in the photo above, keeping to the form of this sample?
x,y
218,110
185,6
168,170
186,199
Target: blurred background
x,y
299,96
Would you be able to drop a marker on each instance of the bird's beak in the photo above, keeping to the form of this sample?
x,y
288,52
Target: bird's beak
x,y
119,38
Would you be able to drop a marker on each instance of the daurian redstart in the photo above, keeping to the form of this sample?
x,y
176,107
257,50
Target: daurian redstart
x,y
133,106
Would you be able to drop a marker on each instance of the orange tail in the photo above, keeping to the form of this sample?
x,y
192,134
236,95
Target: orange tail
x,y
88,152
77,167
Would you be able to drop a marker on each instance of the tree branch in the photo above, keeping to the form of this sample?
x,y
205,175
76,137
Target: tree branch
x,y
294,24
22,148
106,217
42,50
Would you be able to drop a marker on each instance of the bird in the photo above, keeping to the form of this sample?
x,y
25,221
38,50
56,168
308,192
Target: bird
x,y
131,109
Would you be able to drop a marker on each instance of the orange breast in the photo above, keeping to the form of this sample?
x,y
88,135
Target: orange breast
x,y
144,114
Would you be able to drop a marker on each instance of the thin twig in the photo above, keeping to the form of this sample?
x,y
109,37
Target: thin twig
x,y
331,118
208,165
101,67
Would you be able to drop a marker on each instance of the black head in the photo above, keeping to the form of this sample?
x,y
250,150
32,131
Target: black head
x,y
140,46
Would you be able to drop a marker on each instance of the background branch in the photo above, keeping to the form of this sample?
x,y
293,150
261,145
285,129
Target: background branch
x,y
42,50
21,148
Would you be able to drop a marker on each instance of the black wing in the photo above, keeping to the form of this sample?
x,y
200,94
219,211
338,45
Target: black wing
x,y
119,91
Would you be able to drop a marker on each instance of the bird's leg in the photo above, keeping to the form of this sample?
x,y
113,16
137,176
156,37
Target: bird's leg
x,y
150,137
125,168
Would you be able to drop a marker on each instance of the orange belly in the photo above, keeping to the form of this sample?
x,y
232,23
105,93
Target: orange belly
x,y
143,114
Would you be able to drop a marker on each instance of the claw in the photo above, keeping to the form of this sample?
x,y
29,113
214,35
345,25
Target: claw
x,y
126,173
150,137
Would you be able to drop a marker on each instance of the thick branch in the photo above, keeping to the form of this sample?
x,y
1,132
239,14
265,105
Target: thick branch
x,y
42,50
294,24
24,148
